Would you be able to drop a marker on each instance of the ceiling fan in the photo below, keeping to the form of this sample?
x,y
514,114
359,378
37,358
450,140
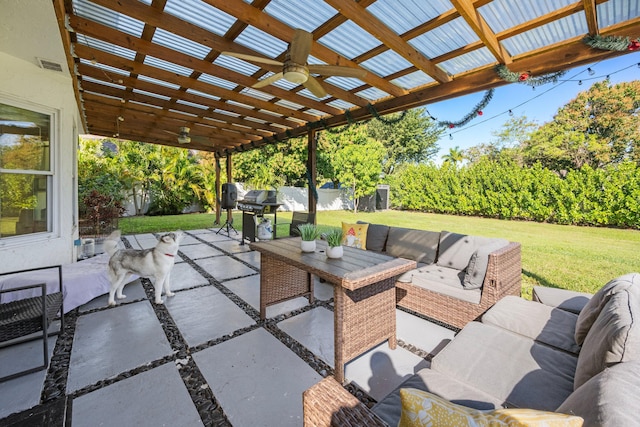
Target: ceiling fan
x,y
295,68
182,134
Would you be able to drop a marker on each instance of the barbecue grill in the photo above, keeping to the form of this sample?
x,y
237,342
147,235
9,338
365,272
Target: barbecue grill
x,y
255,205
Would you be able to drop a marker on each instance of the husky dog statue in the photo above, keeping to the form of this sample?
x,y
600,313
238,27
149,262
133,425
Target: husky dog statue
x,y
156,262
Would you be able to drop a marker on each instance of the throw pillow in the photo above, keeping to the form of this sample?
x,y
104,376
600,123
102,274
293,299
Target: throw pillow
x,y
477,267
376,236
354,235
421,409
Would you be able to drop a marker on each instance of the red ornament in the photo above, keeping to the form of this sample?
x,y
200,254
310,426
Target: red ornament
x,y
523,76
634,45
480,112
451,126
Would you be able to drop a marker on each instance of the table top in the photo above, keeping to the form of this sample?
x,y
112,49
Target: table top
x,y
357,268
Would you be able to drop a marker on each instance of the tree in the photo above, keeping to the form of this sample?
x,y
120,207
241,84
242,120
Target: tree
x,y
507,143
454,156
360,166
598,127
412,140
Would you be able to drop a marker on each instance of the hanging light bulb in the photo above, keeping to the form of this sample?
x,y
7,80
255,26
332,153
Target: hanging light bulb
x,y
579,82
590,71
510,113
450,136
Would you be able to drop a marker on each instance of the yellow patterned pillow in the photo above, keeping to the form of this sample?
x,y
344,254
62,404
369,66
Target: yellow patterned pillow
x,y
422,409
354,235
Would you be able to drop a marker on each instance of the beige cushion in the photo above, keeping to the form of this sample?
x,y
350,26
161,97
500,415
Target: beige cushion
x,y
455,250
537,321
614,336
418,245
610,398
591,310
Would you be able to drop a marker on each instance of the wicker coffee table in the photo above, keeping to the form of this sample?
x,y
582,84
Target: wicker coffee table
x,y
363,291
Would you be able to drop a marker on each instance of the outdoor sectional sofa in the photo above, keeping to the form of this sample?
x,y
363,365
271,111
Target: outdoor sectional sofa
x,y
523,354
458,277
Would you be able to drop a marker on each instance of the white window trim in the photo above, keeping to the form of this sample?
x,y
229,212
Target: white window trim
x,y
54,194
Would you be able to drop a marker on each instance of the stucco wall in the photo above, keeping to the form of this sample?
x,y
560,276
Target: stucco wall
x,y
26,83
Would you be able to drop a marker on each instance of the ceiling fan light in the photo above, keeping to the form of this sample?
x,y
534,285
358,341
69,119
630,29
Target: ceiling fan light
x,y
296,73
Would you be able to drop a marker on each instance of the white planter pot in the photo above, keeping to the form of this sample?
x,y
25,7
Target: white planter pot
x,y
308,245
334,251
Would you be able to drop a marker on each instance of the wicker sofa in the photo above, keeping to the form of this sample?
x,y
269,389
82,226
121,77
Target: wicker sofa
x,y
458,277
523,354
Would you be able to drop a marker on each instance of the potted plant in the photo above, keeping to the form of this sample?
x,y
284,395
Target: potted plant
x,y
309,233
334,243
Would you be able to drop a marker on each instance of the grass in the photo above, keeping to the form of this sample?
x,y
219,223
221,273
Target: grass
x,y
568,257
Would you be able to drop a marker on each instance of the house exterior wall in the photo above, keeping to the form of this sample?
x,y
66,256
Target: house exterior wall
x,y
27,84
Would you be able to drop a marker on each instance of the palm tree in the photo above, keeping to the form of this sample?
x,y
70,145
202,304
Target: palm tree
x,y
455,155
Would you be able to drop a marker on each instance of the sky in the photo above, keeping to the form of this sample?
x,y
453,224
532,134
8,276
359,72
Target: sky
x,y
539,105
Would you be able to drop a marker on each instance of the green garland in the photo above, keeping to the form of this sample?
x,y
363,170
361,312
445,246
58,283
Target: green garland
x,y
525,77
615,43
477,111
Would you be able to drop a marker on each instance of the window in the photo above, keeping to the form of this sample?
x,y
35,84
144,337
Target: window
x,y
26,172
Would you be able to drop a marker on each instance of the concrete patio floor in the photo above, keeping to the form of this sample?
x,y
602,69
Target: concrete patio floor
x,y
202,358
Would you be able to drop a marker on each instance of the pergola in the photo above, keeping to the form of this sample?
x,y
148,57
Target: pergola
x,y
145,69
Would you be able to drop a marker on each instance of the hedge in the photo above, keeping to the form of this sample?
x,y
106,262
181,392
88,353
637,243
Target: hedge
x,y
502,189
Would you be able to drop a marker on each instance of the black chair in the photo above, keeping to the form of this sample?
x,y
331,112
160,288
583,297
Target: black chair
x,y
20,319
299,218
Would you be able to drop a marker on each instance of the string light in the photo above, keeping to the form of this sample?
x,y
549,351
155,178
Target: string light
x,y
450,136
579,82
590,71
510,113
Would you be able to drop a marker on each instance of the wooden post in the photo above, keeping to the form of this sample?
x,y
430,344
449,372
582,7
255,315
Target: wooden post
x,y
218,192
312,147
229,165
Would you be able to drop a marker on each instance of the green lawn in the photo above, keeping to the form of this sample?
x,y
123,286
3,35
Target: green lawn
x,y
578,258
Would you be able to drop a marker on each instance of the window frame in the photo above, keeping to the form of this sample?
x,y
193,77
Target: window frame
x,y
53,180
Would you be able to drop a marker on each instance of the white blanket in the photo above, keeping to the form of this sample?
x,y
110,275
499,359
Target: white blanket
x,y
82,281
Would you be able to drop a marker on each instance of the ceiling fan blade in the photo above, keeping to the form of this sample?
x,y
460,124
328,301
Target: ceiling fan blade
x,y
300,46
315,87
268,80
253,58
337,70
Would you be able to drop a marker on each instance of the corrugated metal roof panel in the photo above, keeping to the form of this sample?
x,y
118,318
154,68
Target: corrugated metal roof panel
x,y
386,63
105,67
404,15
553,32
468,61
316,12
216,81
349,40
102,82
339,103
167,66
155,95
228,113
236,65
316,112
201,14
108,17
256,94
346,83
445,38
262,42
191,104
181,44
372,94
615,11
289,104
158,82
204,94
107,47
413,80
504,14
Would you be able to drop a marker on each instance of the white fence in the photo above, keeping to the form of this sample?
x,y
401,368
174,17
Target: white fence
x,y
291,199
